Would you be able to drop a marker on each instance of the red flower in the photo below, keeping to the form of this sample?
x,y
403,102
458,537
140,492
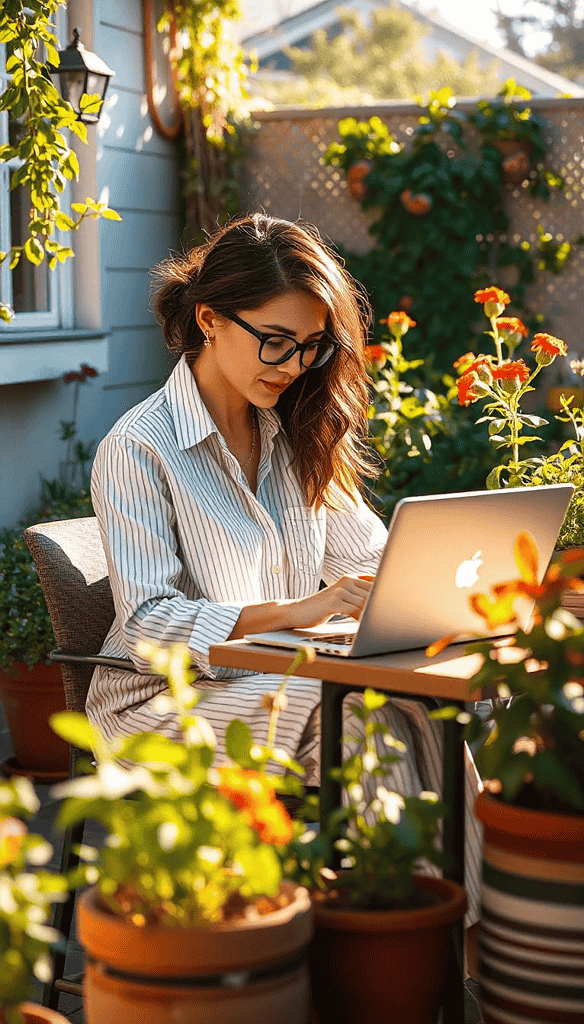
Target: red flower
x,y
492,294
70,377
88,371
549,345
375,355
512,324
510,370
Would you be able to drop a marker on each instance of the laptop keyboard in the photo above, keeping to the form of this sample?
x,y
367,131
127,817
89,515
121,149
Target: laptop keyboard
x,y
342,639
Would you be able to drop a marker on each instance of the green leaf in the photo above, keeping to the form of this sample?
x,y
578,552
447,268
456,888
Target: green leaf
x,y
63,221
372,700
110,214
90,103
33,251
238,741
79,207
75,728
79,129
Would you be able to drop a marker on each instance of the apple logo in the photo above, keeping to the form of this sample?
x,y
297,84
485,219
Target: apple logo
x,y
467,574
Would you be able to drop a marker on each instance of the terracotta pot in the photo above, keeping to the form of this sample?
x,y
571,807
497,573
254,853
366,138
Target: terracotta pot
x,y
30,696
32,1013
516,162
531,935
239,972
369,966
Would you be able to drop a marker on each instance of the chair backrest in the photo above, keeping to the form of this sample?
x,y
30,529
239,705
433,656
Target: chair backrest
x,y
73,574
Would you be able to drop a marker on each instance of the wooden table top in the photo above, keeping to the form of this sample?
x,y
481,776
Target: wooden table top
x,y
447,675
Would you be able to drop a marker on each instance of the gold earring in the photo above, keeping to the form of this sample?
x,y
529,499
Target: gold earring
x,y
207,341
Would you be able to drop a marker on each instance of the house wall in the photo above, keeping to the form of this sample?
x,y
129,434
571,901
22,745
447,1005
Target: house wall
x,y
135,170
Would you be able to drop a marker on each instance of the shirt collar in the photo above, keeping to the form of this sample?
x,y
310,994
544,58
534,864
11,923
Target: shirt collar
x,y
192,420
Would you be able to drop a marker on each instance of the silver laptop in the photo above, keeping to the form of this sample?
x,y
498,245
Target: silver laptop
x,y
440,549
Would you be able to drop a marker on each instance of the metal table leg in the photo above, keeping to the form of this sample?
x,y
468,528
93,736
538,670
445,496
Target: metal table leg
x,y
331,731
453,845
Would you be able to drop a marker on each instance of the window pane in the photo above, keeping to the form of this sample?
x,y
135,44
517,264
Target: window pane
x,y
30,285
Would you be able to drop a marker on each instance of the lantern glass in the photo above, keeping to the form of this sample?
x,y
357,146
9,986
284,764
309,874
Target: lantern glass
x,y
80,73
73,87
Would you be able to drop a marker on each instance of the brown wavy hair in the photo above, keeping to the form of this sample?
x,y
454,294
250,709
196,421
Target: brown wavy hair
x,y
251,260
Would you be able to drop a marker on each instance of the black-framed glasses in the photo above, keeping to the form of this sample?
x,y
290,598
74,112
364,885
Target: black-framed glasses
x,y
277,348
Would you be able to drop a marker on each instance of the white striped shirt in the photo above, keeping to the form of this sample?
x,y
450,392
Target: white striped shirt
x,y
188,545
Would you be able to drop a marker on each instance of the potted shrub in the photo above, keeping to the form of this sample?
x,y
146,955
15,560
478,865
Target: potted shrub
x,y
531,754
31,687
382,931
27,894
188,917
509,125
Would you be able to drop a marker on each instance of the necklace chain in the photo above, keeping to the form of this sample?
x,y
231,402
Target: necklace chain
x,y
254,433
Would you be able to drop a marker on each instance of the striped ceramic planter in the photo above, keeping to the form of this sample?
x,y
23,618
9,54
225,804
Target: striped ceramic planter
x,y
531,945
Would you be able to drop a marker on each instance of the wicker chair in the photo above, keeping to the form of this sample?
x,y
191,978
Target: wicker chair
x,y
73,574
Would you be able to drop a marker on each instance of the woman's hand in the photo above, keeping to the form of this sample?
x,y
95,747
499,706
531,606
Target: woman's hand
x,y
345,597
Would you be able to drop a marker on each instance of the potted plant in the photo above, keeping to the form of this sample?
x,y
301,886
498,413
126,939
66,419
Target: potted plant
x,y
509,125
531,756
501,382
382,931
27,894
188,916
31,687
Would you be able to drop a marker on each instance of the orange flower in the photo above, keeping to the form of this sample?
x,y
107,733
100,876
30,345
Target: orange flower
x,y
245,787
375,355
512,324
470,363
11,832
492,294
549,345
272,823
254,795
417,204
356,178
470,386
398,317
509,370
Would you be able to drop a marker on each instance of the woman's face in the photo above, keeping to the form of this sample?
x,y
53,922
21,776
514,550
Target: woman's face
x,y
232,359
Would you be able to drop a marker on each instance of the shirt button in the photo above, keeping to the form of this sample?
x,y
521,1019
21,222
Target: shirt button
x,y
276,568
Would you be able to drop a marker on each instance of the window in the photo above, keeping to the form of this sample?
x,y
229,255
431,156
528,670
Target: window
x,y
40,298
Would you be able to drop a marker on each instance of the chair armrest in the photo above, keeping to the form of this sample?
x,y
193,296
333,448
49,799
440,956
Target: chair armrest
x,y
93,659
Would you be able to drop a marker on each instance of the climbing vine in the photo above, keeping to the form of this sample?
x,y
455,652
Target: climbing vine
x,y
441,229
39,148
211,74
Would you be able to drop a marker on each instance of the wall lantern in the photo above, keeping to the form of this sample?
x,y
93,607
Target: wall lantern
x,y
80,73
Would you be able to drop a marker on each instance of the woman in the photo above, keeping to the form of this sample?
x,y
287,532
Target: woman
x,y
226,497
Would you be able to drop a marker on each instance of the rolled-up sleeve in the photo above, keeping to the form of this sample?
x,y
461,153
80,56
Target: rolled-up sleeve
x,y
137,521
355,539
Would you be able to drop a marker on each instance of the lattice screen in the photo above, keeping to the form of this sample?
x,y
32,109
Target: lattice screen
x,y
283,175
